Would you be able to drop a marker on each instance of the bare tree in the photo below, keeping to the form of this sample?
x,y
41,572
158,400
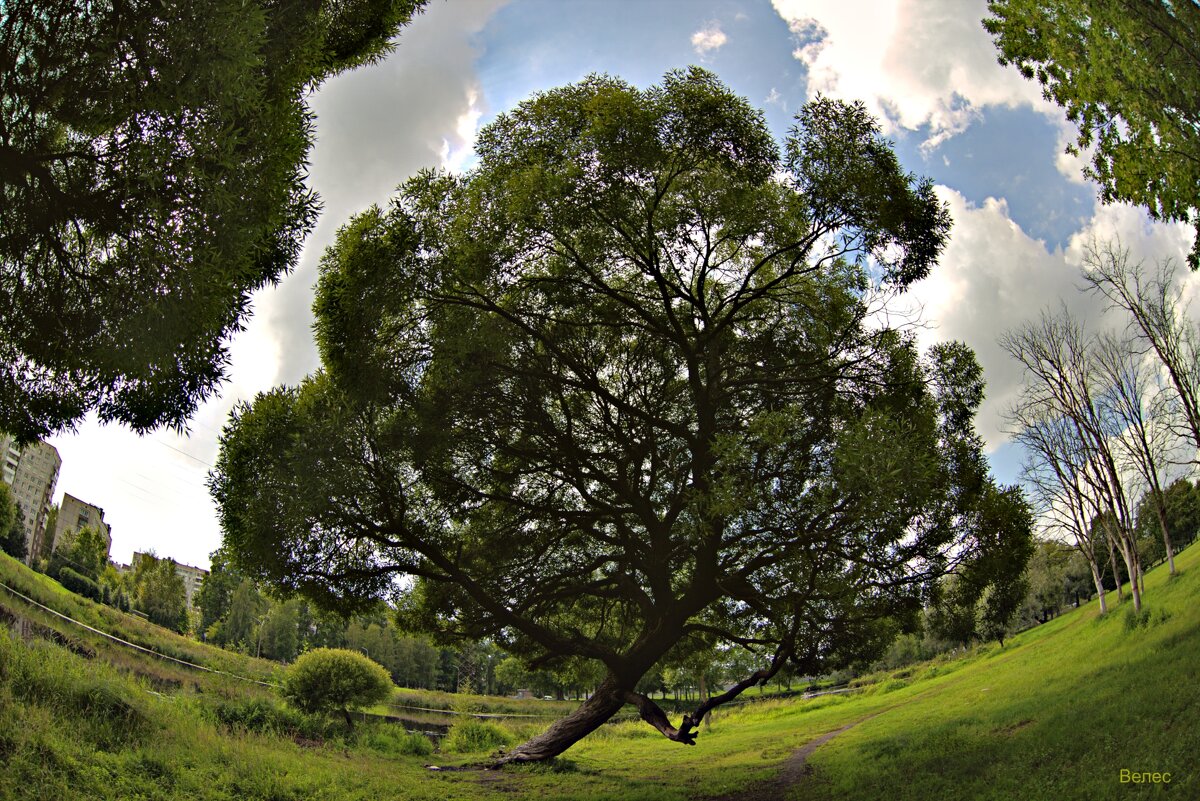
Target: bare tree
x,y
1158,318
1063,381
1054,473
1134,409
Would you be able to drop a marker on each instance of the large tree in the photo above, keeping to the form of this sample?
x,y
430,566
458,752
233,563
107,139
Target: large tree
x,y
152,176
1128,74
622,393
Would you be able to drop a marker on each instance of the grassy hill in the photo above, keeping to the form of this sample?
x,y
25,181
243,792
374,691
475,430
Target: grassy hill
x,y
1055,714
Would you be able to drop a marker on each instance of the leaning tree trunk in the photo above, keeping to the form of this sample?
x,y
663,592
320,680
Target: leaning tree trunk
x,y
591,715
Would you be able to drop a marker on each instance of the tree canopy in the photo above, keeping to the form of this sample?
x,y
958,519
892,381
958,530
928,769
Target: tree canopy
x,y
152,176
621,393
1128,75
329,679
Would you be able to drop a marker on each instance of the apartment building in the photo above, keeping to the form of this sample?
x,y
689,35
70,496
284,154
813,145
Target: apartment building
x,y
74,514
32,473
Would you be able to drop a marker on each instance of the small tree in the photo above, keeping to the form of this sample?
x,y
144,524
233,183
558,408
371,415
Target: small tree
x,y
12,526
330,679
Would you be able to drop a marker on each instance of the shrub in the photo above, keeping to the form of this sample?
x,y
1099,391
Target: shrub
x,y
395,741
333,679
470,736
79,584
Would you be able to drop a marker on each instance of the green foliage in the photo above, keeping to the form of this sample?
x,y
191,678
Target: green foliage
x,y
153,176
611,378
161,593
329,679
79,584
216,590
240,626
83,549
279,638
12,528
1126,75
472,736
393,740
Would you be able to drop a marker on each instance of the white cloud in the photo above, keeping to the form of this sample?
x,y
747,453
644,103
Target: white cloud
x,y
913,62
708,38
991,278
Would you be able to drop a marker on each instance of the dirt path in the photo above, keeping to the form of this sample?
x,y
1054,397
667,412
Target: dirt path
x,y
795,767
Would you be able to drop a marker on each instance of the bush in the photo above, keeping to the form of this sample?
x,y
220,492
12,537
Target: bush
x,y
470,736
395,741
333,679
79,584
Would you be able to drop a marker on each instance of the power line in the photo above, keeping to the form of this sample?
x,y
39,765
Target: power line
x,y
134,645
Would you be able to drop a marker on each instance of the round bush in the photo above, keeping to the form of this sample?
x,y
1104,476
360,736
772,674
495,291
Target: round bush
x,y
329,679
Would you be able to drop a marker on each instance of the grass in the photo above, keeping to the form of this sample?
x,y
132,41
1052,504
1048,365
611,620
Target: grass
x,y
1055,714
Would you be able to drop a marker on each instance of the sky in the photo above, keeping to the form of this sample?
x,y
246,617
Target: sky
x,y
1023,213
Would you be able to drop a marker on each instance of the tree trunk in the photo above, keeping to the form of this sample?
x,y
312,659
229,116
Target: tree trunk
x,y
1099,582
1129,556
1112,561
1160,507
590,715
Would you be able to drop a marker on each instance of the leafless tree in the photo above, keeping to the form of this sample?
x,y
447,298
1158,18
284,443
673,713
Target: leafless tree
x,y
1062,381
1053,472
1134,408
1158,318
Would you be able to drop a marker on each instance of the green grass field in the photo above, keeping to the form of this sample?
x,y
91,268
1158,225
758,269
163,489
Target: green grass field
x,y
1055,714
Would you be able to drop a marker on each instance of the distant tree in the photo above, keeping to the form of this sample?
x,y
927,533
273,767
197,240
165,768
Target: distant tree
x,y
330,679
1158,318
12,526
1126,73
279,638
48,529
1075,459
162,596
216,590
620,385
239,627
511,675
152,176
1183,510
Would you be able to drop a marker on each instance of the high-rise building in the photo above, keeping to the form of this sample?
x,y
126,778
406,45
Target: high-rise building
x,y
32,473
74,514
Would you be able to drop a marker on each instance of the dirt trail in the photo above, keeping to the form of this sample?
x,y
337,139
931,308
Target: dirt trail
x,y
795,767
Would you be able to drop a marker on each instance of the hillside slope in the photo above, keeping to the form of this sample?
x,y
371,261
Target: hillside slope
x,y
1055,714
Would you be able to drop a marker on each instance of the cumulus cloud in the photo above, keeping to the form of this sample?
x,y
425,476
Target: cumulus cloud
x,y
991,278
708,38
913,62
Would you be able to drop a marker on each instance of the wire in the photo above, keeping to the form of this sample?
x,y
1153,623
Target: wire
x,y
134,645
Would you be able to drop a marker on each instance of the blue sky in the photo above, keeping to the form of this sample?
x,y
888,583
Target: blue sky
x,y
926,69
